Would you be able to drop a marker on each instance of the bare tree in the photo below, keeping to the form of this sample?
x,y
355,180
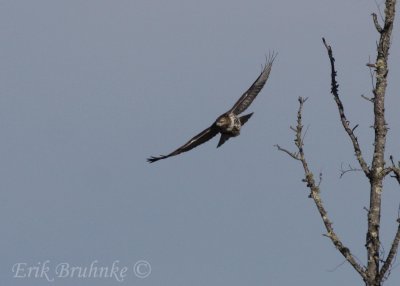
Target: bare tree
x,y
377,268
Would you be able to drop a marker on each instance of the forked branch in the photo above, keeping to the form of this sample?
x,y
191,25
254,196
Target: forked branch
x,y
315,192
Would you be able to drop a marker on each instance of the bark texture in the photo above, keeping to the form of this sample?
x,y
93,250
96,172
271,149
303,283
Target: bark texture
x,y
377,268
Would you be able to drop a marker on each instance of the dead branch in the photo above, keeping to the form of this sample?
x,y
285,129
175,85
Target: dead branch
x,y
343,171
378,170
291,154
394,169
367,98
392,253
315,194
376,23
345,122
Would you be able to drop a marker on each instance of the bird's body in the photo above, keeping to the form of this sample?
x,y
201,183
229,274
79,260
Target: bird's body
x,y
229,123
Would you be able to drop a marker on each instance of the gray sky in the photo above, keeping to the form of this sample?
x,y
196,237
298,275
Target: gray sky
x,y
90,89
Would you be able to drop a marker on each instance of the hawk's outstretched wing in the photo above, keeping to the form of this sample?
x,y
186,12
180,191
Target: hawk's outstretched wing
x,y
197,140
247,98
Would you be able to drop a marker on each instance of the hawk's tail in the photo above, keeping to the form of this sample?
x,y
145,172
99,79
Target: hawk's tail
x,y
243,119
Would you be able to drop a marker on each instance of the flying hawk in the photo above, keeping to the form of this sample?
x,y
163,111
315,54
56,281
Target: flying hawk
x,y
228,124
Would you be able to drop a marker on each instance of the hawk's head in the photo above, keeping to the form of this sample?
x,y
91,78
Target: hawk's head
x,y
223,121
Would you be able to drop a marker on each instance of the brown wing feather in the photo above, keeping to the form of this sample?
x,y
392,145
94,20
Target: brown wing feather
x,y
247,98
197,140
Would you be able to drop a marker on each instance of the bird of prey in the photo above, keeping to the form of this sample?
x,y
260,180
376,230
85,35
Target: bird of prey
x,y
229,123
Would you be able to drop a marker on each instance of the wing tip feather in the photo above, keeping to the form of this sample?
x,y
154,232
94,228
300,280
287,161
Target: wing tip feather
x,y
269,60
153,159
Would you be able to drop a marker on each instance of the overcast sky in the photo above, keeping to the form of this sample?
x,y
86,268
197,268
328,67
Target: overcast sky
x,y
89,89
